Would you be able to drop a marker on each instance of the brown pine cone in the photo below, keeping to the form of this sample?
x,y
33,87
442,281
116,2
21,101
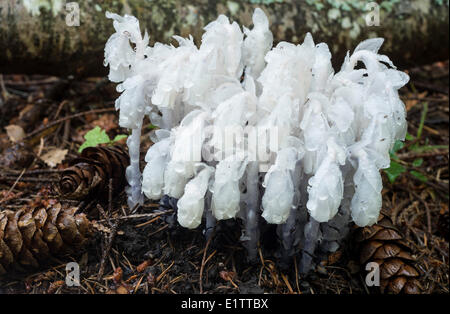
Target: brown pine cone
x,y
383,243
89,175
29,237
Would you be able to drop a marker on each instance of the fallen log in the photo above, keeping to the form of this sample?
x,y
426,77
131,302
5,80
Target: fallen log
x,y
43,36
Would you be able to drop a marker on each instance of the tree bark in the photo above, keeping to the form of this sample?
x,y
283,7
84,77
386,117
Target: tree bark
x,y
36,39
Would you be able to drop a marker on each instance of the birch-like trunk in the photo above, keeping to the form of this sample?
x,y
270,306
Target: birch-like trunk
x,y
35,38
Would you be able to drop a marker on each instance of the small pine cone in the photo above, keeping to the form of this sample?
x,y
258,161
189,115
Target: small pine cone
x,y
29,237
89,175
383,244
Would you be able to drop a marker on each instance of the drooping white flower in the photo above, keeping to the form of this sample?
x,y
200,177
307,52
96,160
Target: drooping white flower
x,y
288,71
153,175
322,70
191,204
119,54
173,74
326,187
257,43
185,153
316,132
279,193
223,40
366,202
225,189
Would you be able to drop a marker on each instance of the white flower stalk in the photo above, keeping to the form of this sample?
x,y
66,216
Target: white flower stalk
x,y
133,173
251,213
123,61
322,136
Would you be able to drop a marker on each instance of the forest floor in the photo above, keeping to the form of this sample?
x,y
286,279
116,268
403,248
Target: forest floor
x,y
145,253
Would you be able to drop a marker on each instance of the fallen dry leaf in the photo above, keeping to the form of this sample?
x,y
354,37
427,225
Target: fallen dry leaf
x,y
227,275
143,266
414,99
15,132
54,286
100,227
106,122
335,257
122,290
117,276
54,156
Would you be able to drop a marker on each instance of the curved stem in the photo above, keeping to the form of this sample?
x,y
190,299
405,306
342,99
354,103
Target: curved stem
x,y
133,171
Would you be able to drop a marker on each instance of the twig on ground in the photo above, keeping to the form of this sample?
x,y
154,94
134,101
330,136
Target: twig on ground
x,y
53,123
204,261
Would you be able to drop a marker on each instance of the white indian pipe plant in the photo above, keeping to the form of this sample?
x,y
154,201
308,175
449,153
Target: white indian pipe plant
x,y
335,130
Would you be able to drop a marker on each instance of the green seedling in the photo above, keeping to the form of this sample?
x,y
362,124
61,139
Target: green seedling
x,y
98,136
397,166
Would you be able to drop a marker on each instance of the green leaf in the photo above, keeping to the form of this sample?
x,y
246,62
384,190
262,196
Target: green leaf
x,y
397,146
419,176
409,137
422,119
394,171
94,137
417,162
425,148
119,137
